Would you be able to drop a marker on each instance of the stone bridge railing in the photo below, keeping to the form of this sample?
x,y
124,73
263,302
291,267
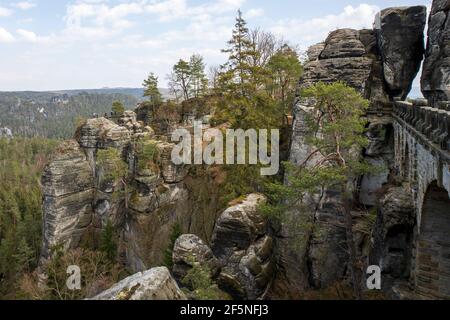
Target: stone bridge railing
x,y
431,123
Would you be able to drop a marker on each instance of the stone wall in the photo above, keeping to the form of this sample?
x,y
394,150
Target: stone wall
x,y
422,158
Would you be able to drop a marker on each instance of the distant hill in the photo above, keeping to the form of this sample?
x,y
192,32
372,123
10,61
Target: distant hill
x,y
53,114
138,93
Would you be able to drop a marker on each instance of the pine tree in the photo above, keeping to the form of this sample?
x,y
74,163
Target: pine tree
x,y
175,234
108,242
244,101
118,108
182,74
198,76
285,70
24,256
151,90
238,70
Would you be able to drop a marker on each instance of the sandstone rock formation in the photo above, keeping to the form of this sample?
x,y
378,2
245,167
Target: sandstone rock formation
x,y
393,235
79,200
401,43
343,58
154,284
188,250
244,249
436,67
68,188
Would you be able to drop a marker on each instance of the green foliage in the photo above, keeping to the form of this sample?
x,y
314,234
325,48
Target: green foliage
x,y
182,73
21,164
98,273
334,128
247,89
118,108
147,153
199,82
115,169
175,234
285,69
151,90
108,242
198,279
189,78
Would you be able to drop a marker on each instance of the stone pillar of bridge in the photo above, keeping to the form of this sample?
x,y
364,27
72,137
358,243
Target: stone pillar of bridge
x,y
432,276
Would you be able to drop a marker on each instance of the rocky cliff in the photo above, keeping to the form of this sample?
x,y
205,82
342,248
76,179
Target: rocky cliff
x,y
80,199
435,76
381,64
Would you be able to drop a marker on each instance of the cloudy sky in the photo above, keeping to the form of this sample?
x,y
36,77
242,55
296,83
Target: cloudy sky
x,y
70,44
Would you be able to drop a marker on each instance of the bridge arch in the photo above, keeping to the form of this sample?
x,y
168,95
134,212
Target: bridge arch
x,y
433,246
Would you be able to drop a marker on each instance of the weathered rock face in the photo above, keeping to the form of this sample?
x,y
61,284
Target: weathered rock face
x,y
393,236
380,154
343,58
244,249
80,199
401,42
154,284
436,67
188,250
68,188
350,56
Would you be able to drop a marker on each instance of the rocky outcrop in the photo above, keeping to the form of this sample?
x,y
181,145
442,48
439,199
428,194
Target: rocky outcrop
x,y
244,249
189,250
392,236
380,154
401,42
80,197
154,284
68,189
343,58
436,67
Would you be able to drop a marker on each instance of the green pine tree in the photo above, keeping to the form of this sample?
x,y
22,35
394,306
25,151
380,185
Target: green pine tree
x,y
118,108
151,90
108,242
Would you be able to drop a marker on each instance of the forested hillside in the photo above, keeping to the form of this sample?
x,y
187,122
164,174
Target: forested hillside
x,y
21,163
54,115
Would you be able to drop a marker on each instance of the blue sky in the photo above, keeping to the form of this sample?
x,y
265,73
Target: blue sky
x,y
69,44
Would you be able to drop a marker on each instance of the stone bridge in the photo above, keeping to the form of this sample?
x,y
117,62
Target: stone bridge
x,y
422,158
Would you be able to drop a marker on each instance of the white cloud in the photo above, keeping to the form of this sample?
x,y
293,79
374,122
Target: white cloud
x,y
24,5
308,32
253,13
5,36
5,12
32,37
